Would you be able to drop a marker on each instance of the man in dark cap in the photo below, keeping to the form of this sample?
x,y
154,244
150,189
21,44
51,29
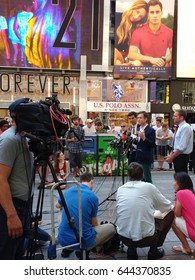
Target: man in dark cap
x,y
13,106
16,163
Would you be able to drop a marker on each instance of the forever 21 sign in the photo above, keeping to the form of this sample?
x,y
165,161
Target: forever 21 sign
x,y
95,23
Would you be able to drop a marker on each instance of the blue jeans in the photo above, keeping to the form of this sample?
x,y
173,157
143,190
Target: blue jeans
x,y
40,235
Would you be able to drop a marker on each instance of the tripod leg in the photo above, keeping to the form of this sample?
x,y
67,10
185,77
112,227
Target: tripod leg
x,y
33,235
71,221
123,169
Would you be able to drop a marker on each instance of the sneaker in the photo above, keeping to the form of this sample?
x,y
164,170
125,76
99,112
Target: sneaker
x,y
79,255
155,253
65,253
132,253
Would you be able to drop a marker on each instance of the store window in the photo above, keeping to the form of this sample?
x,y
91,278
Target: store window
x,y
159,92
188,92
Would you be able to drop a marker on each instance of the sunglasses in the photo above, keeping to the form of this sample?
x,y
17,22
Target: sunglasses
x,y
123,125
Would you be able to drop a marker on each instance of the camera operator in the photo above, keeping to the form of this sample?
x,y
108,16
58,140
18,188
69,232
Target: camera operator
x,y
75,138
94,234
16,164
137,225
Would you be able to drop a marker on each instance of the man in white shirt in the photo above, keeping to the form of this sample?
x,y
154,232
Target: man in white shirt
x,y
137,202
89,128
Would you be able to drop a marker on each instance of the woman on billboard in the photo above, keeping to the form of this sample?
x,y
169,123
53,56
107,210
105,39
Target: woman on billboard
x,y
133,17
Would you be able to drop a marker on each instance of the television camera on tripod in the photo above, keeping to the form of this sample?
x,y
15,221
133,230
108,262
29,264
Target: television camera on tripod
x,y
43,123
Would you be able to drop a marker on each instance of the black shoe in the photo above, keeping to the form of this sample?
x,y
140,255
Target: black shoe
x,y
34,257
65,253
79,255
155,253
132,253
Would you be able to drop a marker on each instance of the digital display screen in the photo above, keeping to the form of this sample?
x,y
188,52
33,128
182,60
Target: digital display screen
x,y
143,39
185,41
50,33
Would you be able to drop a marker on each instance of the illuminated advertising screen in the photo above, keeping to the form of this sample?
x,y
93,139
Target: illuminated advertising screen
x,y
143,39
50,33
185,40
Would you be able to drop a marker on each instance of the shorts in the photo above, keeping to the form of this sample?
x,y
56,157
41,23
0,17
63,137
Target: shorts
x,y
161,150
181,224
75,160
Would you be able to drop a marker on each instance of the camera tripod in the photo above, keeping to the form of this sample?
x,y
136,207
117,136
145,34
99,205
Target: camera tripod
x,y
121,155
42,160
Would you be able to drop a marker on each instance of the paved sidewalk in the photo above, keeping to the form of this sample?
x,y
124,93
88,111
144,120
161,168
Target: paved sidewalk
x,y
106,187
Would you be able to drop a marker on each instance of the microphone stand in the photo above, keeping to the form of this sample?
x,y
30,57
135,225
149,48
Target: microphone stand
x,y
124,139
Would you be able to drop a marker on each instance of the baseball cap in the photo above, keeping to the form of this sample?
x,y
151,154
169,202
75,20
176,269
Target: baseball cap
x,y
12,107
89,121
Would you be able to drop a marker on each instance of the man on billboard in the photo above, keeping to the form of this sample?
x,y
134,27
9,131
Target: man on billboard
x,y
151,44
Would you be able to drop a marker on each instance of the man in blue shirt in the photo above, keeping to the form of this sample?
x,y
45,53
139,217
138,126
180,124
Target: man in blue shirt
x,y
93,234
182,142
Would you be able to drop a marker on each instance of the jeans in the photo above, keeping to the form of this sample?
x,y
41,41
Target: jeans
x,y
12,248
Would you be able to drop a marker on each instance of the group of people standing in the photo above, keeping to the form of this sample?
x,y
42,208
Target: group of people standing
x,y
173,146
139,198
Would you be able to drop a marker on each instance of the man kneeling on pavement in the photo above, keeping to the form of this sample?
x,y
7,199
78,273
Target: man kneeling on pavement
x,y
94,235
136,223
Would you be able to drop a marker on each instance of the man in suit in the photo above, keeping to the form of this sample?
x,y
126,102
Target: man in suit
x,y
132,116
145,144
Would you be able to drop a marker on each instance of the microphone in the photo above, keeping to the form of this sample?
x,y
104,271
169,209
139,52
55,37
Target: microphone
x,y
124,137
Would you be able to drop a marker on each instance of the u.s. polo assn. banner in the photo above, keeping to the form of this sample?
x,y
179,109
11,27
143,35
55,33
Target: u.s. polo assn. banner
x,y
117,106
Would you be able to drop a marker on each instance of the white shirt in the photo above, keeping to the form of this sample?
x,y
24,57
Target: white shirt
x,y
136,204
89,130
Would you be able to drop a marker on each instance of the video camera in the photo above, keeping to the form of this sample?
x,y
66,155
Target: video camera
x,y
43,122
42,118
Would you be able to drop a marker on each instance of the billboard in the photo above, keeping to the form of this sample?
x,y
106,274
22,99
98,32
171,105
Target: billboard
x,y
50,33
143,39
185,41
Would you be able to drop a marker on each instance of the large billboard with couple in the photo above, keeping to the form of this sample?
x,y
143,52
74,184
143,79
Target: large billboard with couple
x,y
143,39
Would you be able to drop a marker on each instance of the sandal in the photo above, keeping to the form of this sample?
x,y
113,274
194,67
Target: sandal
x,y
180,249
